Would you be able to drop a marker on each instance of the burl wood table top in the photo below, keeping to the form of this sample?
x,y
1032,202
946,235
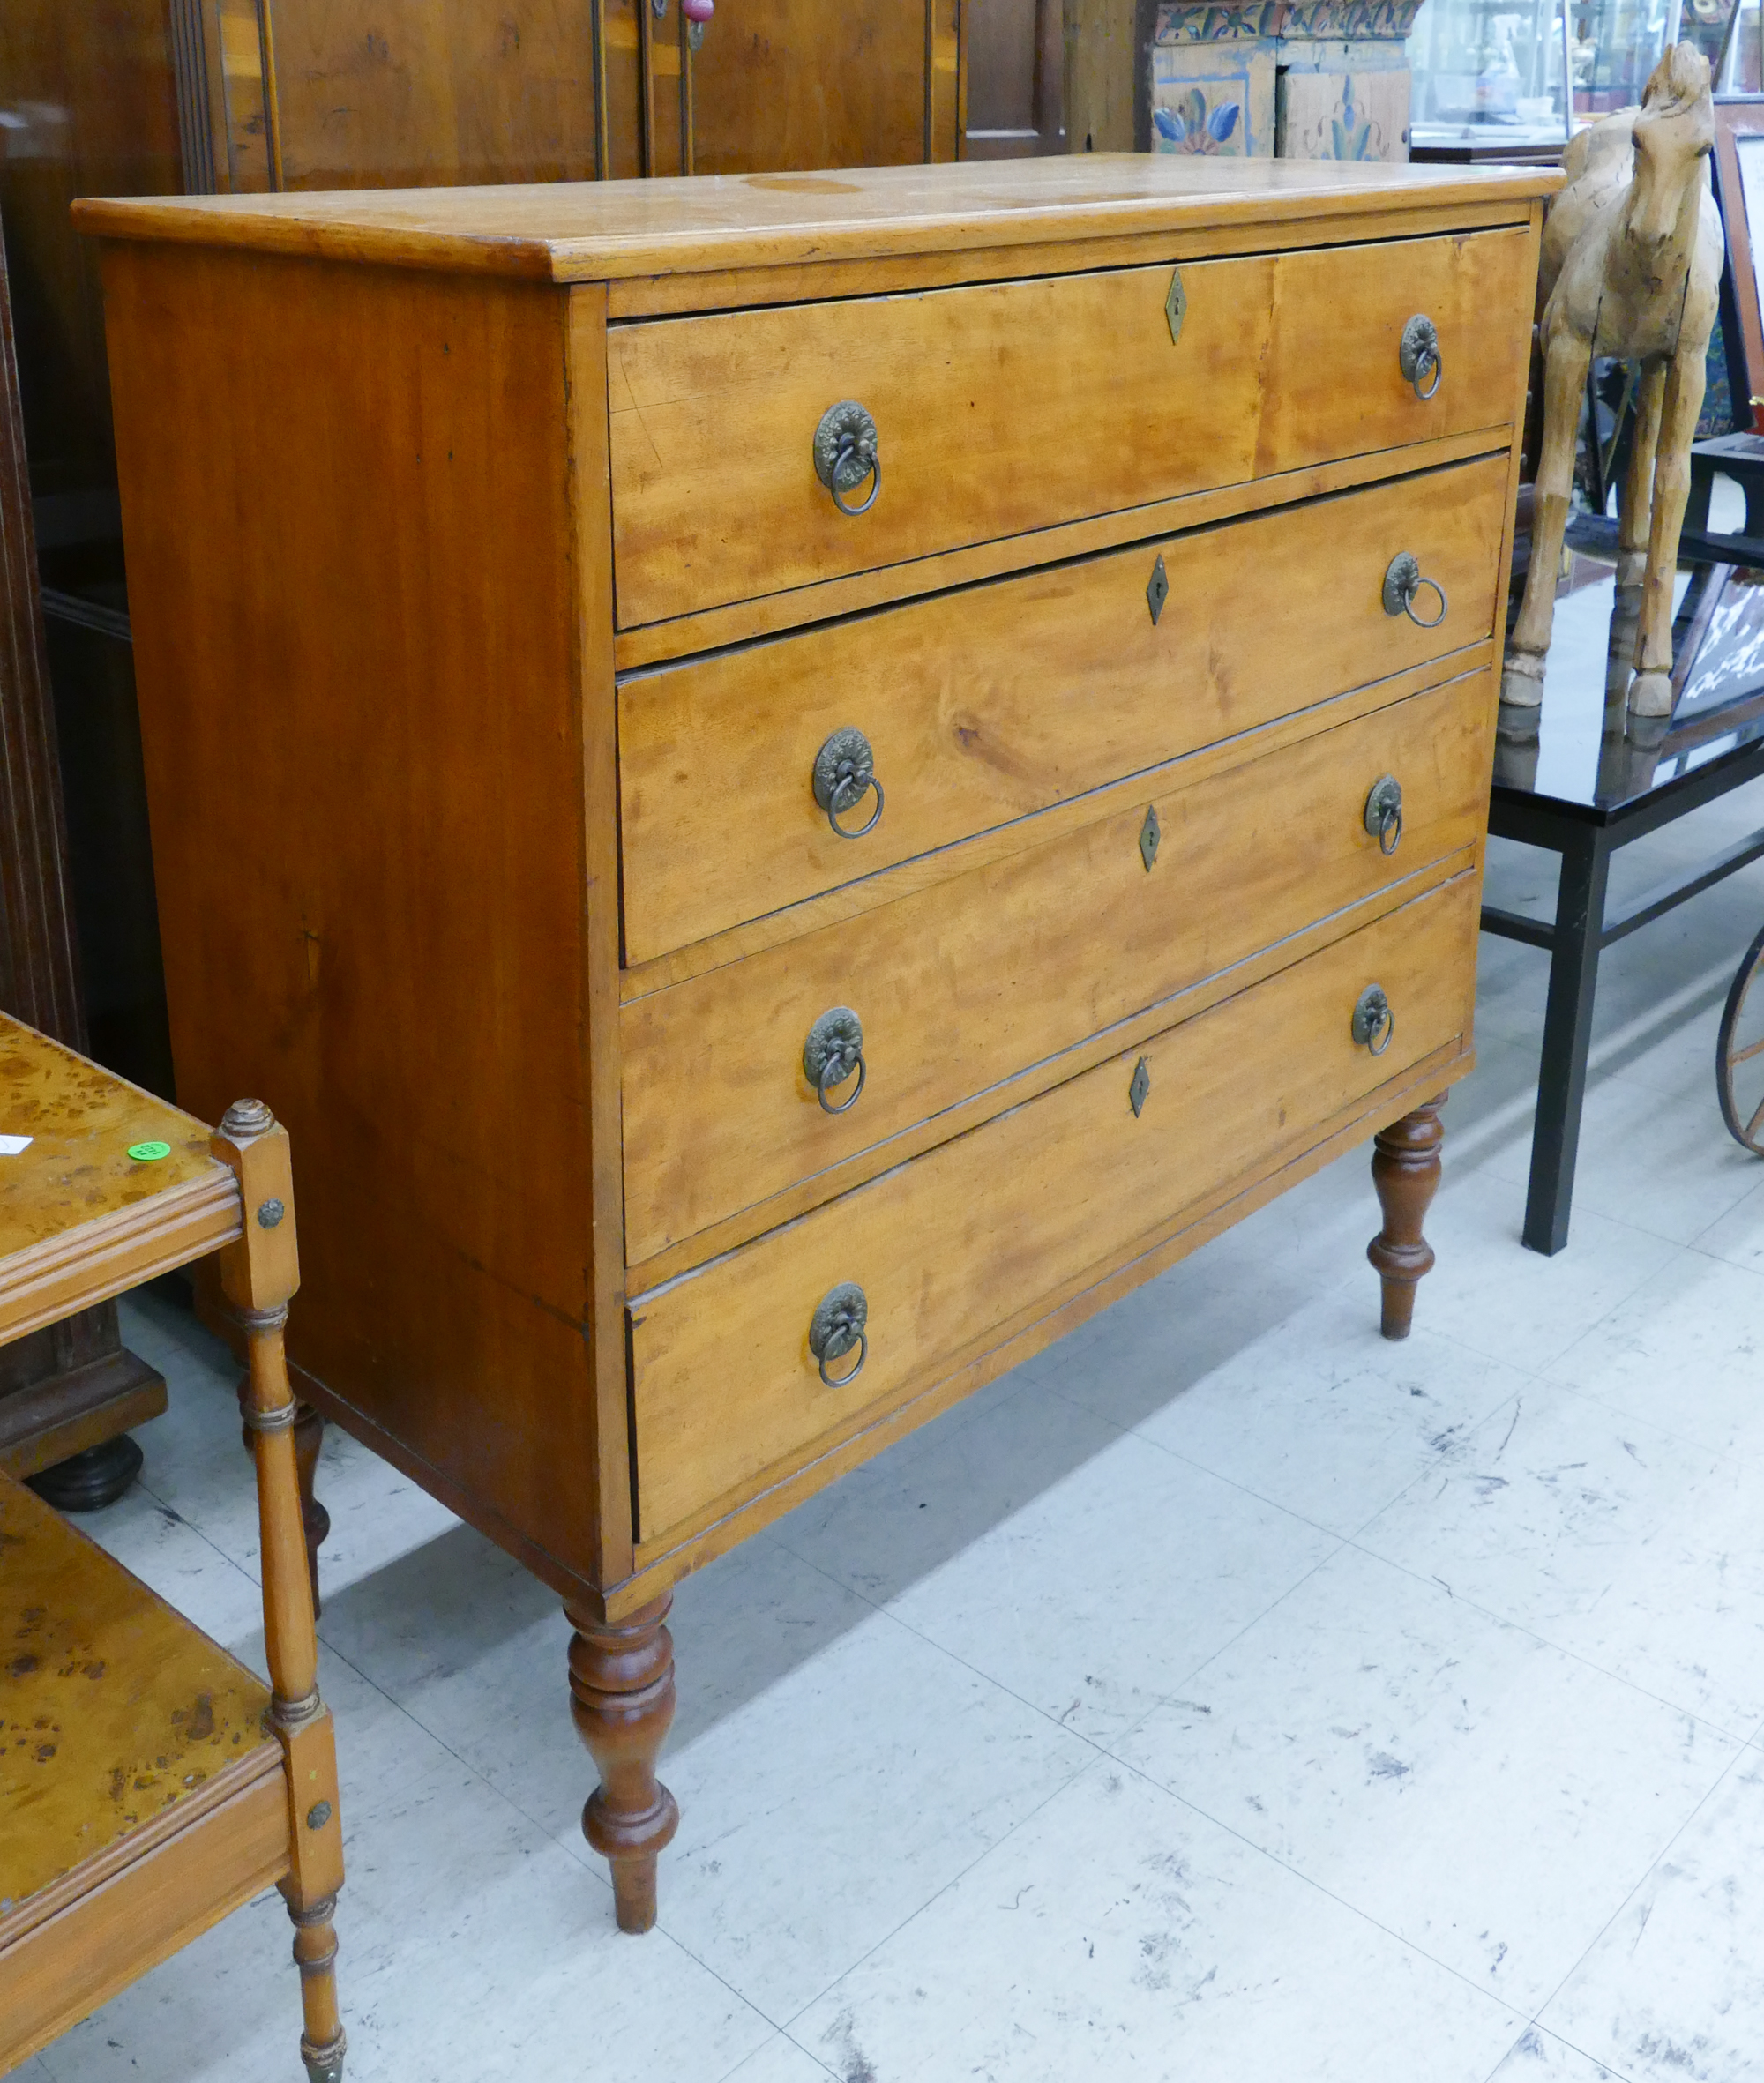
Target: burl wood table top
x,y
80,1218
114,1710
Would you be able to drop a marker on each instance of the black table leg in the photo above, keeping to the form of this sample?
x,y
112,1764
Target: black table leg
x,y
1568,1034
1702,483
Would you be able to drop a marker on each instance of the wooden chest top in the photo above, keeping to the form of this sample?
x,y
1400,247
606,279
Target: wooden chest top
x,y
613,231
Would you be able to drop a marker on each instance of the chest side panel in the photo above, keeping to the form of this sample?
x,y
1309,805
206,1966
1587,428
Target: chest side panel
x,y
347,507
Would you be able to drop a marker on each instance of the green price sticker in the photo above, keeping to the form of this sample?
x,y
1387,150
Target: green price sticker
x,y
149,1152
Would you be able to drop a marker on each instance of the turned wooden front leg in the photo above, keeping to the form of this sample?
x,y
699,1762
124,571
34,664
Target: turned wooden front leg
x,y
622,1697
1406,1173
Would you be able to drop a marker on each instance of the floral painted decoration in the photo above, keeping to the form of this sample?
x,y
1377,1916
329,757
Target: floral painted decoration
x,y
1353,132
1188,127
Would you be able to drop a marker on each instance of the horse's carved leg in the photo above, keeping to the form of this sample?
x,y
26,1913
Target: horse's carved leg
x,y
1632,534
1650,693
1566,357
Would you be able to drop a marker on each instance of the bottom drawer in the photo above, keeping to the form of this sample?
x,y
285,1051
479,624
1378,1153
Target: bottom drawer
x,y
972,1234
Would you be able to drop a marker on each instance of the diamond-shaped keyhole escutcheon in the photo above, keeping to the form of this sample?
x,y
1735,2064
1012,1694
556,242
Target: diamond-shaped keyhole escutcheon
x,y
1150,832
1176,305
1139,1090
1157,590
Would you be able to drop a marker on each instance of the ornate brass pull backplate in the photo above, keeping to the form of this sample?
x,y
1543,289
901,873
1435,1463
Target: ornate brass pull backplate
x,y
1373,1022
837,1326
833,1051
846,453
844,771
1417,356
1402,581
1383,812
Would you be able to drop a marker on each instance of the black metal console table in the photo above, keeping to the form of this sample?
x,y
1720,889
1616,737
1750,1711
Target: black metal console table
x,y
1582,791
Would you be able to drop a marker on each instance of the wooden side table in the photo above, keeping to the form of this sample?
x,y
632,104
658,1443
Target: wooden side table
x,y
149,1783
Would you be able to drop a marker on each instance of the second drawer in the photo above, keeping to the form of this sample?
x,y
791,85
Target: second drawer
x,y
990,704
964,985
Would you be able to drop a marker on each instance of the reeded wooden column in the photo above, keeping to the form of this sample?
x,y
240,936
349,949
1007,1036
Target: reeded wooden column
x,y
622,1697
1406,1173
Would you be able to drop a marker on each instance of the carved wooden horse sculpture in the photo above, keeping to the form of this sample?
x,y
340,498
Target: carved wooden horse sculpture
x,y
1630,268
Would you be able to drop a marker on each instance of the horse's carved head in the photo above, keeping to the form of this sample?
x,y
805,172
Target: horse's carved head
x,y
1674,134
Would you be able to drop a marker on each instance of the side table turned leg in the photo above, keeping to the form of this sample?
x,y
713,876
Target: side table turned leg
x,y
322,2043
622,1697
259,1274
1406,1173
315,1521
309,1437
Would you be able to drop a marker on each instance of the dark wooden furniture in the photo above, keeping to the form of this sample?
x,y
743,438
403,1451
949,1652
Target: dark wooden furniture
x,y
1583,792
1740,134
332,93
70,1392
861,756
148,1782
1014,78
1487,152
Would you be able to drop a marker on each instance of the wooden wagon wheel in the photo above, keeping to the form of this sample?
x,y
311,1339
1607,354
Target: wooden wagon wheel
x,y
1740,1043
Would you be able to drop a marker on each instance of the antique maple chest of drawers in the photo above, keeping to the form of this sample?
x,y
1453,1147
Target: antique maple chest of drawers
x,y
792,783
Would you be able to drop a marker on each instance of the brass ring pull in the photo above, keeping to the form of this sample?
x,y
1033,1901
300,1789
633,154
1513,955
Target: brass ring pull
x,y
1374,1022
1418,356
836,1327
846,454
1383,817
1402,581
845,771
833,1051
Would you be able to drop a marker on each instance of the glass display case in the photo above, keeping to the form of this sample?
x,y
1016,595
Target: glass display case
x,y
1491,72
1497,77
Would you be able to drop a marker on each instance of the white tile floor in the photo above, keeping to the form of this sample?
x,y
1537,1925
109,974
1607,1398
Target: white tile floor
x,y
1399,1724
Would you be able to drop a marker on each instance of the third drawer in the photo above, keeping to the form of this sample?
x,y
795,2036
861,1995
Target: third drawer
x,y
959,987
958,1248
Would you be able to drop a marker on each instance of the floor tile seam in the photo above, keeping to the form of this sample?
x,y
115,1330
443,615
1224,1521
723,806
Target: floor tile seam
x,y
1658,1089
1234,1482
1515,2011
831,2074
1728,1450
1187,1679
1545,1642
1597,2061
937,1894
398,1705
1721,1257
1529,1379
821,2069
746,2002
961,1662
1604,1931
447,1749
1303,1519
178,1518
1159,1700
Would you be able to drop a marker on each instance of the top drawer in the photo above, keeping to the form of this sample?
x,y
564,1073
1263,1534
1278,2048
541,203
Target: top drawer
x,y
1011,405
